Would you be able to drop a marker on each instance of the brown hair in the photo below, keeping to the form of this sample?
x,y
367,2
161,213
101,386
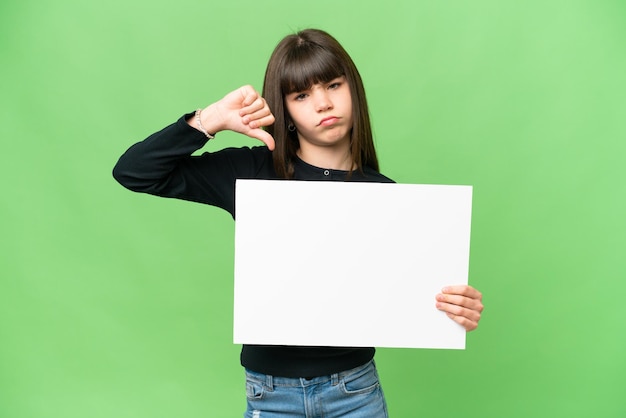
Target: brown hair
x,y
299,61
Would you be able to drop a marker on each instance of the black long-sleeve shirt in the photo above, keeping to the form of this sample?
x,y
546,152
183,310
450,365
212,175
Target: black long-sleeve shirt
x,y
163,165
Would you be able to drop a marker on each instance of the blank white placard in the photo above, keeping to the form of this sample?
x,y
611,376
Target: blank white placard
x,y
348,264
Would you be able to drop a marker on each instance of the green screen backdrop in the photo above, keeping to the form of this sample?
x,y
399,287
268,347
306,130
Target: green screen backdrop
x,y
115,304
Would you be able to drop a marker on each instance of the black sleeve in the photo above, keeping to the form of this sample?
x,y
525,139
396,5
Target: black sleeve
x,y
162,165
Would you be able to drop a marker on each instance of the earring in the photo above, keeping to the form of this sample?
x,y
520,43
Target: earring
x,y
291,127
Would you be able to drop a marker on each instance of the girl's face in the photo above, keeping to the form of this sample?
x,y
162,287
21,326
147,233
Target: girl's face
x,y
322,114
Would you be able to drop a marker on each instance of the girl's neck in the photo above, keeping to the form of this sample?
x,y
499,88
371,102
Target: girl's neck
x,y
333,158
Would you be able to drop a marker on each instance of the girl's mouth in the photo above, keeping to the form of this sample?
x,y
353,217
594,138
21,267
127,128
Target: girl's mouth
x,y
328,121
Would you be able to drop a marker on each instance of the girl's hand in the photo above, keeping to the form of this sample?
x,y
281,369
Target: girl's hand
x,y
462,303
243,111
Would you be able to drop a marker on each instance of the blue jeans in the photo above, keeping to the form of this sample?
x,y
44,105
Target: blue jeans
x,y
354,393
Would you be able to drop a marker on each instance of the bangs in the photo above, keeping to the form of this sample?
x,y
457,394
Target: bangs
x,y
306,65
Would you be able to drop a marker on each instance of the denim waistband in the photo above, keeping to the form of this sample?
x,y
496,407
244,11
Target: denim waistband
x,y
270,381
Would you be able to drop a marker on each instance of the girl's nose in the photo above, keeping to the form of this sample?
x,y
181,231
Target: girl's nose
x,y
322,102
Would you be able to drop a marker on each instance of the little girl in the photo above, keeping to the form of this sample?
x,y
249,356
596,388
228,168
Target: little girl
x,y
313,118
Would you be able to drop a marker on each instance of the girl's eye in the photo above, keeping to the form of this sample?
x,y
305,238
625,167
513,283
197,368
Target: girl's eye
x,y
300,96
334,85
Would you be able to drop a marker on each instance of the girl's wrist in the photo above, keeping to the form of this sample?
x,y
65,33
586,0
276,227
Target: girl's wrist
x,y
204,120
200,126
211,120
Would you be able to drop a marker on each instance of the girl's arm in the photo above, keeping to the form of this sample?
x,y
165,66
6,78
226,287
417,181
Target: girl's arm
x,y
163,164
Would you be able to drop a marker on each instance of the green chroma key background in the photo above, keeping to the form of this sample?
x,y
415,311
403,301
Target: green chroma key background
x,y
115,304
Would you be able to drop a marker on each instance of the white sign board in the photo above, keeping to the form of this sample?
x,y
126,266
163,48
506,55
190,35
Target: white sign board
x,y
348,264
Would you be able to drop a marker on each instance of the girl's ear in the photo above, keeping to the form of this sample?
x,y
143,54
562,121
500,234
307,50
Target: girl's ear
x,y
290,125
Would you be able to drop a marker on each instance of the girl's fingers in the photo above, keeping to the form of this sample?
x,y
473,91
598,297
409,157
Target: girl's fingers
x,y
262,136
257,119
468,318
246,112
249,95
466,323
457,310
464,301
461,303
463,290
259,105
